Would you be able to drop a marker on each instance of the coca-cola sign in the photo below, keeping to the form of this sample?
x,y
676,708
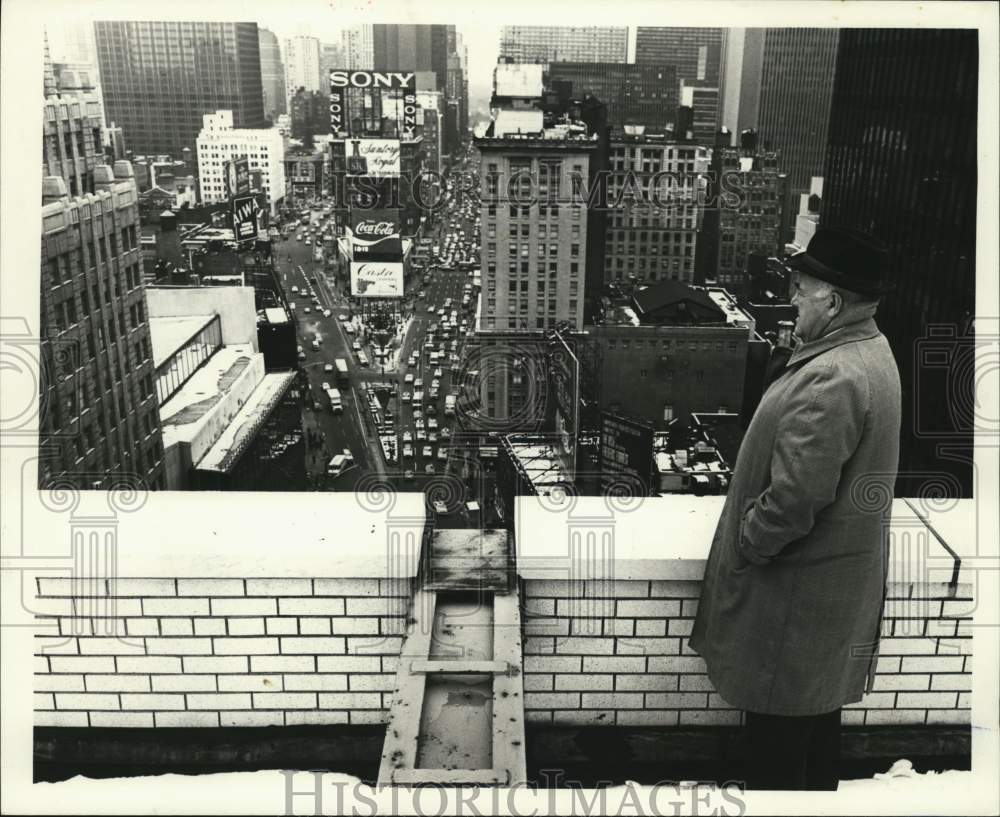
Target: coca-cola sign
x,y
377,279
375,235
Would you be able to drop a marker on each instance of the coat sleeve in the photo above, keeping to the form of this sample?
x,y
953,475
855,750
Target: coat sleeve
x,y
818,432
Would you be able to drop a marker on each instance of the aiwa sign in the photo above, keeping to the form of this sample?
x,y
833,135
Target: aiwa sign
x,y
245,212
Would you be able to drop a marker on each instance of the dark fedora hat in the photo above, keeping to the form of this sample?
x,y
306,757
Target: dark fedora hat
x,y
846,258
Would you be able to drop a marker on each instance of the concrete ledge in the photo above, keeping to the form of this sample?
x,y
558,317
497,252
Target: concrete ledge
x,y
669,537
223,535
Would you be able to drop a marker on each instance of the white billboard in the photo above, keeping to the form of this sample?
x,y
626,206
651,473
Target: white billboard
x,y
377,279
377,158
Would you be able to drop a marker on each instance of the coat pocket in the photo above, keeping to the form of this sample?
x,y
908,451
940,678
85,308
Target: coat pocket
x,y
739,560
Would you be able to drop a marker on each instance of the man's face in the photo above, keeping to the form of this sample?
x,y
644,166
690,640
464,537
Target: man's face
x,y
811,298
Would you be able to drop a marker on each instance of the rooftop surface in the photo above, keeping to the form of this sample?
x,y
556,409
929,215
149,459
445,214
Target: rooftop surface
x,y
167,335
241,431
183,414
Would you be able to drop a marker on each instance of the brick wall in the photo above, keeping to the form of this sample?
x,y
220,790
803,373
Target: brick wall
x,y
217,652
615,653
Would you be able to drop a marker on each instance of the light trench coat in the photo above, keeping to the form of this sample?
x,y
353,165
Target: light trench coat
x,y
789,616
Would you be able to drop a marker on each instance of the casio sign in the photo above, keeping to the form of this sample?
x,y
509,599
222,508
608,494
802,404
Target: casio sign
x,y
371,79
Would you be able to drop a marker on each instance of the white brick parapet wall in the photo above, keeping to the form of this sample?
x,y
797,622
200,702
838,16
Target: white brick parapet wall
x,y
610,594
290,613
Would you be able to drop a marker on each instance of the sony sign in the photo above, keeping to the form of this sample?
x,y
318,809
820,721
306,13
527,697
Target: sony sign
x,y
371,79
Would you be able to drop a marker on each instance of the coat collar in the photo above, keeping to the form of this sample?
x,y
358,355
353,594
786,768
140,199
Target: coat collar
x,y
863,329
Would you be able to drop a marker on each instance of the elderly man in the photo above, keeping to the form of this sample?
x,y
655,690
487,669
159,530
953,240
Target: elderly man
x,y
789,617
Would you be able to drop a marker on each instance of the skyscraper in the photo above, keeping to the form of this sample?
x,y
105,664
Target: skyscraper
x,y
99,422
331,55
695,53
356,42
301,55
272,74
633,94
902,165
159,78
564,44
413,48
786,83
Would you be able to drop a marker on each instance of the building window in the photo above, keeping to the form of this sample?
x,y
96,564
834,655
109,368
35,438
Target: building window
x,y
668,413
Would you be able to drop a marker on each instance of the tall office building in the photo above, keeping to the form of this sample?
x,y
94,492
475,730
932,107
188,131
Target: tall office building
x,y
301,55
564,44
742,55
331,55
358,48
413,48
695,53
634,94
220,141
159,78
72,41
902,165
786,84
99,421
655,241
272,75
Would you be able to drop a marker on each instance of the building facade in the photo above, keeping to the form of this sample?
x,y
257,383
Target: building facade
x,y
634,94
564,44
753,222
652,238
310,115
695,53
533,236
272,75
99,424
301,55
902,165
159,78
331,56
219,142
358,48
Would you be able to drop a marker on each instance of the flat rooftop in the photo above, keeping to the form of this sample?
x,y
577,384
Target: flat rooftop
x,y
183,414
243,428
542,465
167,335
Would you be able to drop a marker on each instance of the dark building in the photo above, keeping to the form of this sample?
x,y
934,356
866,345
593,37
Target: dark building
x,y
413,48
693,52
902,165
159,78
634,94
99,420
786,85
310,115
272,75
674,350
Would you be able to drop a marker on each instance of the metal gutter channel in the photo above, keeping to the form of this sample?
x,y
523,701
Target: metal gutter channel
x,y
457,716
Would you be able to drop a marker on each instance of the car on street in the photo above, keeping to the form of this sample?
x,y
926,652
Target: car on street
x,y
437,373
302,355
446,433
432,424
362,358
315,346
349,328
439,506
407,436
356,346
327,313
409,378
328,368
430,308
407,450
307,310
443,454
427,452
343,318
340,463
418,384
421,435
431,409
432,437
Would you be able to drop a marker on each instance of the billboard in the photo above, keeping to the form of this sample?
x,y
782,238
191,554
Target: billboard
x,y
245,213
375,158
237,176
375,235
626,453
358,88
564,391
377,279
